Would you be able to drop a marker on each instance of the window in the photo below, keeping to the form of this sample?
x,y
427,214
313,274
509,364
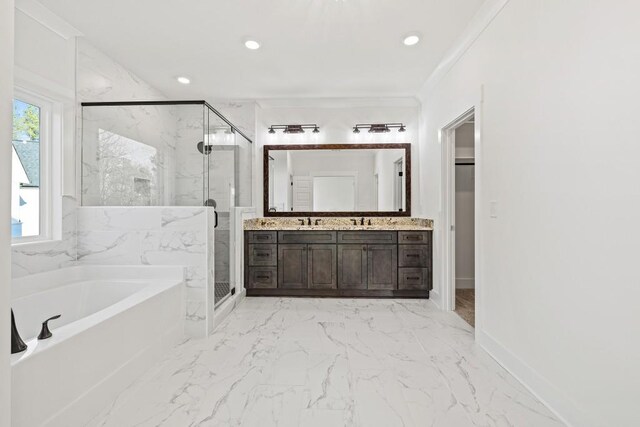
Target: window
x,y
30,201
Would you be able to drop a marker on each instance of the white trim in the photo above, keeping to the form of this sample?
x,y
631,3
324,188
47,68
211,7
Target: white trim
x,y
448,151
410,102
434,296
485,15
38,12
51,137
465,283
553,398
44,86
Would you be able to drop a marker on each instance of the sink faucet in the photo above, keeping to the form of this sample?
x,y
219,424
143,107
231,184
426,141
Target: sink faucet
x,y
362,221
308,220
301,221
354,221
17,345
317,221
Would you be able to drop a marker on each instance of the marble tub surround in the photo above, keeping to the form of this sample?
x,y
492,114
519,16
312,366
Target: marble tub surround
x,y
39,257
339,223
330,362
181,236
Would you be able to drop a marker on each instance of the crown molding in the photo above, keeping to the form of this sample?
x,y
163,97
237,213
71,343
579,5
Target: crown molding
x,y
481,20
397,102
44,16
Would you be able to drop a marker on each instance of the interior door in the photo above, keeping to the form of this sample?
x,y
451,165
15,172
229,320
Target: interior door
x,y
302,194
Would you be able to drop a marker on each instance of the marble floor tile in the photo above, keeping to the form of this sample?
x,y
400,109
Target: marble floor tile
x,y
329,362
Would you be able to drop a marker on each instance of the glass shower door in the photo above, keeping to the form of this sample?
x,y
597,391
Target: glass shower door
x,y
221,193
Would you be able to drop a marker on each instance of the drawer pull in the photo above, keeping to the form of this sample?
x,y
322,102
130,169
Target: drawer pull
x,y
413,278
263,277
263,237
412,255
262,254
413,237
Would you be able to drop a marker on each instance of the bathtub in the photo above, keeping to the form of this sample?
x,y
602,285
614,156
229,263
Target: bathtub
x,y
116,321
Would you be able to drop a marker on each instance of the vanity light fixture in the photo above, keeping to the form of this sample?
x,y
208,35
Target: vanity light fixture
x,y
293,129
380,127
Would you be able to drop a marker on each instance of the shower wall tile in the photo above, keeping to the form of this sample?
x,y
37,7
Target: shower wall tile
x,y
156,236
173,247
118,219
32,258
108,247
182,219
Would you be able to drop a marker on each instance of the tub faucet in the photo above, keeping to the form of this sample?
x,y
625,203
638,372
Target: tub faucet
x,y
17,345
45,332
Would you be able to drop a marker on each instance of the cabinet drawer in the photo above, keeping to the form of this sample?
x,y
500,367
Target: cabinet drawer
x,y
262,278
263,255
306,236
413,278
373,237
413,255
414,237
266,237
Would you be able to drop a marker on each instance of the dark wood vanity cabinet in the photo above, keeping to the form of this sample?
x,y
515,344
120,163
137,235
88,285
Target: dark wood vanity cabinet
x,y
338,263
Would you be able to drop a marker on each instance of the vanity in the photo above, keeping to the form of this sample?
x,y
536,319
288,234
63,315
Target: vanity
x,y
349,252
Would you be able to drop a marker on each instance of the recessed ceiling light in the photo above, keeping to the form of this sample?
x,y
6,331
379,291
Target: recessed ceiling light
x,y
411,39
183,80
252,44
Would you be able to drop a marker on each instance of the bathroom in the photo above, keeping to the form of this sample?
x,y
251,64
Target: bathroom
x,y
144,206
318,213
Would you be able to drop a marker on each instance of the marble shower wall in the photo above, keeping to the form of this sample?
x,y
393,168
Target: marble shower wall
x,y
156,236
32,258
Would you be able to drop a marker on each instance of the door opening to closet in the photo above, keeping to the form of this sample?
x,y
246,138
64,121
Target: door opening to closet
x,y
464,217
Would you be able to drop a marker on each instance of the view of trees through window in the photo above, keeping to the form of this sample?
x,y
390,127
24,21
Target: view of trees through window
x,y
25,182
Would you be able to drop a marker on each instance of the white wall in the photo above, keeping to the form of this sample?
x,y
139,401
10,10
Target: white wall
x,y
45,64
6,108
559,285
336,118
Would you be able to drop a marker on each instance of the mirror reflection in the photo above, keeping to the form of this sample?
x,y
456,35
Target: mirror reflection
x,y
344,180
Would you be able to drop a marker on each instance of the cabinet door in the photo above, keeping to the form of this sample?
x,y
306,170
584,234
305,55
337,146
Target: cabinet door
x,y
292,266
323,267
383,266
352,266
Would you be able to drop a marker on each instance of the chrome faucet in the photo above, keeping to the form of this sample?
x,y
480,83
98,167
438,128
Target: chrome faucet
x,y
17,345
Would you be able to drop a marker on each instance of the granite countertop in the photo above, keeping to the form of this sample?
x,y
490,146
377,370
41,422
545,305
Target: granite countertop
x,y
340,224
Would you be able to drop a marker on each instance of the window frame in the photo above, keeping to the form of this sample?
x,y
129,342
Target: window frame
x,y
50,143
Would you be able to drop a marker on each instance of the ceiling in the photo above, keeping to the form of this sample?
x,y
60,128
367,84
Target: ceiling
x,y
310,48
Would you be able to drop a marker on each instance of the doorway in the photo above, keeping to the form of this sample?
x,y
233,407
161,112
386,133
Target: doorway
x,y
459,240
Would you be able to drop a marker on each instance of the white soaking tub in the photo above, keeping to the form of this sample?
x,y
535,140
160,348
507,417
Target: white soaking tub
x,y
116,321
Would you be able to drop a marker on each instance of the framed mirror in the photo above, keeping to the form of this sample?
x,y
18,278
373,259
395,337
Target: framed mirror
x,y
337,180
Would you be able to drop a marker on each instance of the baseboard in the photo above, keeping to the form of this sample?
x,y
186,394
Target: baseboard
x,y
465,283
435,297
557,401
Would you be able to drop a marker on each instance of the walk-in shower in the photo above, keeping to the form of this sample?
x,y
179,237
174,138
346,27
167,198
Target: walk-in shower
x,y
169,154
